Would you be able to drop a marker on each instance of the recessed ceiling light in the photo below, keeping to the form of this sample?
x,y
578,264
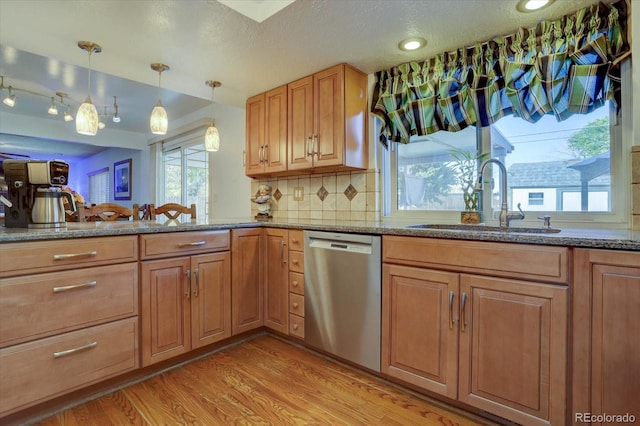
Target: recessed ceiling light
x,y
532,5
412,43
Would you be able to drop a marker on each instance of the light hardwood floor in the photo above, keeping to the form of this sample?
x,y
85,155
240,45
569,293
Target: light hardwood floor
x,y
264,381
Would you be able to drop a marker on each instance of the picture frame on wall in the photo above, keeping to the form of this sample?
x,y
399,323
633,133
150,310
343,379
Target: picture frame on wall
x,y
122,180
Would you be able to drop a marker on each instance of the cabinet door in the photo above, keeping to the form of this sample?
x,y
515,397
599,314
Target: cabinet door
x,y
300,123
247,280
513,354
255,135
165,318
275,150
606,326
210,298
419,329
615,354
329,131
276,293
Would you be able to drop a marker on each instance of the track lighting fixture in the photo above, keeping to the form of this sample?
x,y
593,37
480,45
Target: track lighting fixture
x,y
159,122
11,99
212,136
116,117
53,110
67,116
87,116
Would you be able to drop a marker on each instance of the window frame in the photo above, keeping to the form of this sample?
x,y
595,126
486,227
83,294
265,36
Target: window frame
x,y
104,174
618,217
184,146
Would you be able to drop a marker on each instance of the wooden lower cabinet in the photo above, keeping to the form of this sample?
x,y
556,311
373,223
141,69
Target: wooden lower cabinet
x,y
186,304
247,279
513,348
494,343
37,371
276,285
68,317
606,330
419,333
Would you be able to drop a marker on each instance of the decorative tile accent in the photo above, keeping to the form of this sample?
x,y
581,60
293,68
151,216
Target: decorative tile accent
x,y
277,195
322,193
350,192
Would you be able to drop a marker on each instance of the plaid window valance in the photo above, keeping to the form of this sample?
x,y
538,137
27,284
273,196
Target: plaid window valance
x,y
566,66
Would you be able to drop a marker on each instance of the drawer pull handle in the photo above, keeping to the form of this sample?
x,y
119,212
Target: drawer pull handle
x,y
89,345
187,293
463,311
75,286
194,244
74,255
451,297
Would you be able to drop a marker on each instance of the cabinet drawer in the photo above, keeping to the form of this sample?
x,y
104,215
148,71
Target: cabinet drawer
x,y
296,326
296,304
178,243
296,261
43,256
544,263
296,283
36,306
37,371
296,240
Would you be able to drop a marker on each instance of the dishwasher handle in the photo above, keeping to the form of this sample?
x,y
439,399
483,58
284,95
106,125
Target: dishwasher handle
x,y
348,246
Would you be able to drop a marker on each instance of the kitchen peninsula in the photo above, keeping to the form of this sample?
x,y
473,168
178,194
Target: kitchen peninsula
x,y
497,281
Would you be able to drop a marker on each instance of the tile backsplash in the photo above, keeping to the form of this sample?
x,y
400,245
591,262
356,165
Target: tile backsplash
x,y
329,196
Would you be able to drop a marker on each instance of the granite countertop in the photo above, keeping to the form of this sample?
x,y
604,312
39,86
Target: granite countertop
x,y
617,239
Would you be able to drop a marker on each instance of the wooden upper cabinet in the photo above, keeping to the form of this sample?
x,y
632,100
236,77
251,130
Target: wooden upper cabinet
x,y
254,135
266,133
328,120
300,123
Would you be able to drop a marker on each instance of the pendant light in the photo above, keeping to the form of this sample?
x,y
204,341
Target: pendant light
x,y
159,120
212,137
87,116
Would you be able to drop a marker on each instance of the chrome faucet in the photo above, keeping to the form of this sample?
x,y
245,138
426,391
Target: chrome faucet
x,y
505,217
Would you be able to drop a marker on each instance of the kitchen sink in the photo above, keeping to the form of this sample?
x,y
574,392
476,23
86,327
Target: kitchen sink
x,y
486,228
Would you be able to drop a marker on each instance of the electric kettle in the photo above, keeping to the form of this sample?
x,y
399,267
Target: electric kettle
x,y
48,207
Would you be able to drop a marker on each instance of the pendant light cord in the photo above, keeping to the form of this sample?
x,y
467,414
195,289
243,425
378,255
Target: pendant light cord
x,y
89,77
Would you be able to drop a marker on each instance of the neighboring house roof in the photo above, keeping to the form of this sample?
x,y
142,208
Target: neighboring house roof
x,y
549,174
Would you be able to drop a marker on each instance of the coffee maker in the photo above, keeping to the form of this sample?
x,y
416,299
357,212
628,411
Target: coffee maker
x,y
35,196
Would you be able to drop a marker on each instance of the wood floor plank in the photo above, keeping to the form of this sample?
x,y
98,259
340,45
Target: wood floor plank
x,y
264,381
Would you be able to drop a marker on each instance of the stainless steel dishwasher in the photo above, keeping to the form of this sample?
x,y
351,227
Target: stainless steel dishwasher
x,y
342,295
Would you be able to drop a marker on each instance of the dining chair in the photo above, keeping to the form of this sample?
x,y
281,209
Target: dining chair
x,y
173,211
109,212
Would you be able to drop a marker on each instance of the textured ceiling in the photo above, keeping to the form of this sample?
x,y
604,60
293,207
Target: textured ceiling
x,y
204,39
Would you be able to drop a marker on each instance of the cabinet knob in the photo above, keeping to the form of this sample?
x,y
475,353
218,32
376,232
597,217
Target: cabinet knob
x,y
295,305
295,284
294,240
295,262
295,326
